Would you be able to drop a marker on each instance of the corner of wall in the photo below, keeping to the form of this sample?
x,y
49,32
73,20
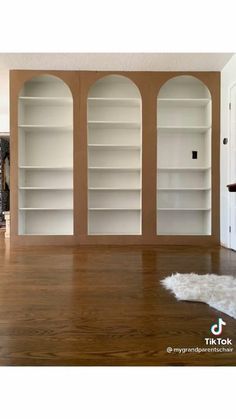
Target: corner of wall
x,y
228,79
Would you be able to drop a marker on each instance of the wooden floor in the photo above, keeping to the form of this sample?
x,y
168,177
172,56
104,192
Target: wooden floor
x,y
105,306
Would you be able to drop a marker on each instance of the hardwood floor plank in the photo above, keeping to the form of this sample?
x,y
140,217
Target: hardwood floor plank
x,y
105,306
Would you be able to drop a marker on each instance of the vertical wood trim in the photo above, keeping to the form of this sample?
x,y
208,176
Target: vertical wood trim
x,y
82,158
13,154
149,162
76,152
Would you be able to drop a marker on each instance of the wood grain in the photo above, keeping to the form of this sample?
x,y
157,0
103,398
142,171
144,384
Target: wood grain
x,y
105,306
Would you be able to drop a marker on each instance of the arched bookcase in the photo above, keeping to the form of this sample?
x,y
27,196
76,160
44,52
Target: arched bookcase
x,y
114,157
184,160
45,157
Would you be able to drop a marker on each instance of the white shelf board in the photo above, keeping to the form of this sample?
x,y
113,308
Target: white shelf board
x,y
114,209
190,128
114,124
183,189
189,102
60,128
184,168
125,169
189,233
115,146
45,101
68,233
107,101
46,167
115,234
42,188
183,209
114,189
46,209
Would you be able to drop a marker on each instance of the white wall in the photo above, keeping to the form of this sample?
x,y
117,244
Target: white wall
x,y
228,79
4,100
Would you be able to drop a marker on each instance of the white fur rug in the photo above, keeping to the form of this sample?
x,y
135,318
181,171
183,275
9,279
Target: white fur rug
x,y
217,291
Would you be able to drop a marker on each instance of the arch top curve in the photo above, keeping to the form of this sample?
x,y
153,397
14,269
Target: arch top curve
x,y
114,85
45,85
184,86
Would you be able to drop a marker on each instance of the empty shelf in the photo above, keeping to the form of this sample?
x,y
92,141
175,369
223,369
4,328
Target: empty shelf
x,y
115,146
42,188
183,168
106,101
45,168
128,169
114,209
199,129
114,124
61,128
183,102
114,189
183,189
67,233
126,233
46,209
183,209
45,101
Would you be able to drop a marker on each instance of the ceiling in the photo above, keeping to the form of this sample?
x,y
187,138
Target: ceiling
x,y
116,61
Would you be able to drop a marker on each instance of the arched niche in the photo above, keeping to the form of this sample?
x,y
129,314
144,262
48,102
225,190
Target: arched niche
x,y
184,119
114,157
45,157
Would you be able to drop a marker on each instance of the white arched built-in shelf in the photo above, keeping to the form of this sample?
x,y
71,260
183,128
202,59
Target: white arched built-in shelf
x,y
45,157
114,157
184,158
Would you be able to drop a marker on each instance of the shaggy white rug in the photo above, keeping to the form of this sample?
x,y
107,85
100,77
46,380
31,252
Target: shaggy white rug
x,y
217,291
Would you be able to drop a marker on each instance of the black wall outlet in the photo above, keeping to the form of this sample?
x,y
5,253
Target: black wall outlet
x,y
194,154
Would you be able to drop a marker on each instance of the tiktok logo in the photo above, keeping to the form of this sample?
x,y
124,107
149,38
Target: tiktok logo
x,y
216,328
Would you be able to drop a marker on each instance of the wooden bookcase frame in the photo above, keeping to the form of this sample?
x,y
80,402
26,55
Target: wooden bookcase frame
x,y
149,84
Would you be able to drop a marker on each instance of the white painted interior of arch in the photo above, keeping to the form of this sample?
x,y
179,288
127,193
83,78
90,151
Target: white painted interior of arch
x,y
45,129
